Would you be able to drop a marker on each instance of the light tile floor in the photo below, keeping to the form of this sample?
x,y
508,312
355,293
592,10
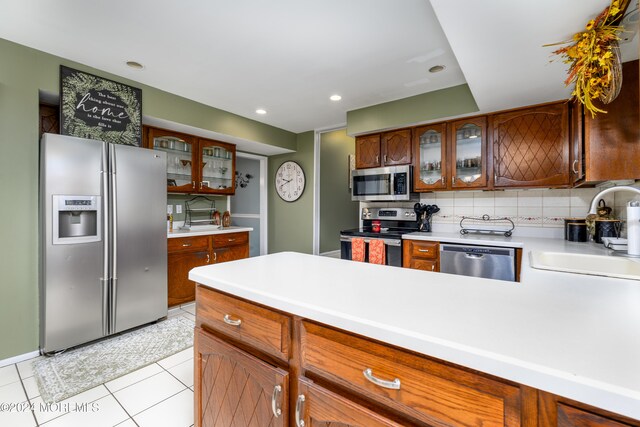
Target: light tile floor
x,y
158,395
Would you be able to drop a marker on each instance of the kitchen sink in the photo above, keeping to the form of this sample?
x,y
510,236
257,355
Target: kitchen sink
x,y
597,265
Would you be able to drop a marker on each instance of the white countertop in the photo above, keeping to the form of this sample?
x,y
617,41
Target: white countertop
x,y
204,230
573,335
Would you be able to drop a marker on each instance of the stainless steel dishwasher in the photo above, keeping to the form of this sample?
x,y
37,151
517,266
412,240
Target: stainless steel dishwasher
x,y
478,261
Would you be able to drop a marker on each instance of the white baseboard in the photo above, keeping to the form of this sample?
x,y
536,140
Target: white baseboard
x,y
19,358
332,254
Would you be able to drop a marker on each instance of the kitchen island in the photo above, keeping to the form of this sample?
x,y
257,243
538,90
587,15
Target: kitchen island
x,y
552,336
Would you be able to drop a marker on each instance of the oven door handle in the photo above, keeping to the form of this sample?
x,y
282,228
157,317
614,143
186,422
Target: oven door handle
x,y
390,242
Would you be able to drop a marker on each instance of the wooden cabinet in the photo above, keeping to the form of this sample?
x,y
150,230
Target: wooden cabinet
x,y
319,407
531,147
557,411
386,149
229,247
421,255
468,153
255,365
396,147
422,388
430,157
605,147
185,253
450,156
194,165
261,328
234,388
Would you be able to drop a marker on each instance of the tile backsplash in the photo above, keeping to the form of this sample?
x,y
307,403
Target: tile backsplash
x,y
536,208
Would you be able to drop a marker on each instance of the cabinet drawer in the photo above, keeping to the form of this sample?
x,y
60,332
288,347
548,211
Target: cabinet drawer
x,y
424,264
230,239
420,249
430,391
259,327
196,243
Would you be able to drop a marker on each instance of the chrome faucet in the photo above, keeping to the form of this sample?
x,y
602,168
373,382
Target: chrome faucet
x,y
596,198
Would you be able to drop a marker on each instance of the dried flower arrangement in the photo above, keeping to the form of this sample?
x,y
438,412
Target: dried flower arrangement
x,y
596,69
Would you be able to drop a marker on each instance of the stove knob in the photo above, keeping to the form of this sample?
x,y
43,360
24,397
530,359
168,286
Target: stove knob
x,y
407,214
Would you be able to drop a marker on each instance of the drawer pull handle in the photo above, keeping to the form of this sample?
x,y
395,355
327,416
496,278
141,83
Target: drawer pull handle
x,y
433,267
393,385
229,321
299,403
231,240
186,245
424,250
208,258
275,397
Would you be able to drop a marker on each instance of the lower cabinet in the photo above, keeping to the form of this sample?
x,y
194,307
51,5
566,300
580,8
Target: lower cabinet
x,y
421,255
319,376
319,407
234,388
185,253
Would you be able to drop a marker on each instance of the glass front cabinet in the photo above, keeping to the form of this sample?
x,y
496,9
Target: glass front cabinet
x,y
430,153
468,138
217,167
195,165
181,175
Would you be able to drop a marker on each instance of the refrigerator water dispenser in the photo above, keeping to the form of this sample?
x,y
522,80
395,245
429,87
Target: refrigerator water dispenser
x,y
76,219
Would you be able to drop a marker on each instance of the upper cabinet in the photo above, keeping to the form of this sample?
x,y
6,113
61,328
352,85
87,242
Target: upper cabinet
x,y
430,157
386,149
195,165
531,147
396,147
468,164
181,175
217,167
607,146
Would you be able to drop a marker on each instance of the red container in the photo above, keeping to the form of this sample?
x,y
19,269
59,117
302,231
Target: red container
x,y
376,226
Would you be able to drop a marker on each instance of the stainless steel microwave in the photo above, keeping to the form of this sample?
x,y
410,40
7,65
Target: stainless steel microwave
x,y
382,184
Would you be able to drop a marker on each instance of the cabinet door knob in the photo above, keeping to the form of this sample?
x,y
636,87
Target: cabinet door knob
x,y
275,398
215,257
299,403
453,180
393,385
233,322
208,258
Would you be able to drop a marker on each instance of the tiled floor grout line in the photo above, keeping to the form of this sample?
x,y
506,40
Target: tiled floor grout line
x,y
123,408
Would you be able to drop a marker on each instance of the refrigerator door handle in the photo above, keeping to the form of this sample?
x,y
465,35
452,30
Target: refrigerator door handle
x,y
106,218
114,238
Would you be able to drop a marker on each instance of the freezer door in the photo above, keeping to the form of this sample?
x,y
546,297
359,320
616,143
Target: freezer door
x,y
71,285
139,223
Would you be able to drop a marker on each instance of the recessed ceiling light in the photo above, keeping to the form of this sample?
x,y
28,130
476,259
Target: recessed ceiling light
x,y
436,68
261,111
335,97
135,65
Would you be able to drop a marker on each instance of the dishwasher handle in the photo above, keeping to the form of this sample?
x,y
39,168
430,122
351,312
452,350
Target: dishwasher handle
x,y
474,256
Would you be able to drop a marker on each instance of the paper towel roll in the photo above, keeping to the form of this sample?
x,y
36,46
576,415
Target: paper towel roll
x,y
633,228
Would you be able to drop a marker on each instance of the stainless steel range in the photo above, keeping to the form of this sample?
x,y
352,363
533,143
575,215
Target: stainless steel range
x,y
387,224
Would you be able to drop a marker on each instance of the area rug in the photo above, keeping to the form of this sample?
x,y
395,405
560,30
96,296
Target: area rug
x,y
67,374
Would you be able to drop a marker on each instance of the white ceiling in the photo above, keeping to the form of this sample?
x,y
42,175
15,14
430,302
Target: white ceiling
x,y
289,56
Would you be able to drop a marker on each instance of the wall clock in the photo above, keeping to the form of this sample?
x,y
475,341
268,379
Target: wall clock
x,y
290,181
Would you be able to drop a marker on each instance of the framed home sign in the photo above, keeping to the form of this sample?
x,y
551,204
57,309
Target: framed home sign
x,y
98,108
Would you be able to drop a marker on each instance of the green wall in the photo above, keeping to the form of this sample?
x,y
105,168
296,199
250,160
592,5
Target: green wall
x,y
291,224
422,108
23,72
337,211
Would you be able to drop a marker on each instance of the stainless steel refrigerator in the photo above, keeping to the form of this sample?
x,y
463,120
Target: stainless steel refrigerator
x,y
103,239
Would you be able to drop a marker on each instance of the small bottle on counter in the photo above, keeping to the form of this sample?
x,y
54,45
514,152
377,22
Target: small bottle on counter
x,y
170,218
